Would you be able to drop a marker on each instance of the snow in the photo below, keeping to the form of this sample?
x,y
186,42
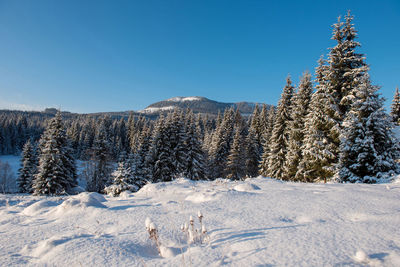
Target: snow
x,y
256,222
243,187
156,109
183,99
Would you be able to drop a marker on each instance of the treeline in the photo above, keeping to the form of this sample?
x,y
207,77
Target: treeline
x,y
334,130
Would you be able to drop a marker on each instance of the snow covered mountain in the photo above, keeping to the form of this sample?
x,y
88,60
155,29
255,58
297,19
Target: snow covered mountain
x,y
198,105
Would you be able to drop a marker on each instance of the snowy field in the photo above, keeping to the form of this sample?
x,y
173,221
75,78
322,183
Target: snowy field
x,y
258,222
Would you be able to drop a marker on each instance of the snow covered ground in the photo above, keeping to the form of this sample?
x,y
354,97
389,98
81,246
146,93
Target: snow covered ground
x,y
258,222
156,109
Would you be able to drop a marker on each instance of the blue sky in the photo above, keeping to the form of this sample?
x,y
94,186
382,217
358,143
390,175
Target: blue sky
x,y
90,56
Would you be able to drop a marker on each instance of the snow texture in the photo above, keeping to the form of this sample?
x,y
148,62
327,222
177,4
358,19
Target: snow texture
x,y
183,99
155,109
256,222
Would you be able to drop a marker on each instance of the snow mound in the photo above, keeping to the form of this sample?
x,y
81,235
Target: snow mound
x,y
94,195
43,247
38,207
125,194
246,187
363,258
200,197
167,252
81,201
85,200
151,188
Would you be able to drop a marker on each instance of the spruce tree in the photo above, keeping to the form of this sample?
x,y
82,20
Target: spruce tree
x,y
301,101
122,180
177,142
161,167
143,169
221,144
322,129
28,170
279,140
369,149
266,138
395,107
99,175
56,171
331,103
257,128
346,67
195,166
252,156
235,161
132,162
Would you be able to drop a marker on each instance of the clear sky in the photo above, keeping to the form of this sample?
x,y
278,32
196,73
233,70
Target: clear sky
x,y
90,56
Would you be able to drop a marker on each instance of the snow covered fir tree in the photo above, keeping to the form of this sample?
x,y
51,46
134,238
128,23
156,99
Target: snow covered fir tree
x,y
28,170
56,170
279,140
395,108
368,150
122,180
300,108
98,169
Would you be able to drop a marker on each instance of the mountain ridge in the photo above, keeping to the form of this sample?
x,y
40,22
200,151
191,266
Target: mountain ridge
x,y
198,104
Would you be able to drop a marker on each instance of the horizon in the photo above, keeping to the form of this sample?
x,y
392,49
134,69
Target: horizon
x,y
44,109
95,56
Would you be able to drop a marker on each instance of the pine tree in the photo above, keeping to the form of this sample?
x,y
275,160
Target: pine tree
x,y
73,136
266,138
301,101
252,156
100,163
395,107
161,167
346,67
28,170
132,162
331,103
143,169
280,134
122,180
263,118
369,149
177,142
56,171
235,162
221,144
322,129
195,167
131,132
256,127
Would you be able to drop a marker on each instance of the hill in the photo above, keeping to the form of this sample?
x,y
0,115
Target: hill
x,y
198,104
